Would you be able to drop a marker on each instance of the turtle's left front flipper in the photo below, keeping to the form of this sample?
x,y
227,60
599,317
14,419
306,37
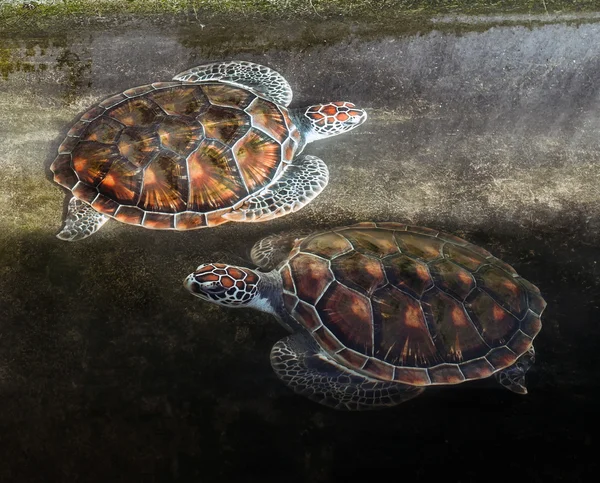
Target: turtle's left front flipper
x,y
262,79
300,364
300,183
81,221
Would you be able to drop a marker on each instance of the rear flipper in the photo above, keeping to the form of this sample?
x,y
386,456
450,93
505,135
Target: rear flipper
x,y
301,182
82,221
513,377
300,364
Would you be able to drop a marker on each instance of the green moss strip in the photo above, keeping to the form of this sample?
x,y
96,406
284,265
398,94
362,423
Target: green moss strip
x,y
304,8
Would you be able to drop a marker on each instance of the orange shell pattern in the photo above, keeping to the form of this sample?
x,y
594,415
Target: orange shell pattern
x,y
409,304
175,155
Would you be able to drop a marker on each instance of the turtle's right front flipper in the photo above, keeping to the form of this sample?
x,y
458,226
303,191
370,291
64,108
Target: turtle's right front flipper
x,y
81,221
301,182
298,362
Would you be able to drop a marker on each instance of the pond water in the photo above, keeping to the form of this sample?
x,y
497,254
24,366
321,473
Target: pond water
x,y
110,369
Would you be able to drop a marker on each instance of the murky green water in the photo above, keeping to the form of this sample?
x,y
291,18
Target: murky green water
x,y
109,369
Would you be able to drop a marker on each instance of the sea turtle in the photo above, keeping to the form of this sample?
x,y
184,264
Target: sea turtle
x,y
380,311
217,144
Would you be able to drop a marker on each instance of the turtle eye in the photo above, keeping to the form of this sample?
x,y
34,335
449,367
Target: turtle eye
x,y
212,287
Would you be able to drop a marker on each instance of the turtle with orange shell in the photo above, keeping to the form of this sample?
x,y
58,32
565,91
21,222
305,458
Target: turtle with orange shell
x,y
216,144
380,311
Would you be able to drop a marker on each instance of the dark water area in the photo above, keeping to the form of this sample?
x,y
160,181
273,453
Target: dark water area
x,y
111,371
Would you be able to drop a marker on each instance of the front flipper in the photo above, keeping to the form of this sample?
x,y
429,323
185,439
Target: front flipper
x,y
270,251
82,221
513,377
265,81
300,183
298,362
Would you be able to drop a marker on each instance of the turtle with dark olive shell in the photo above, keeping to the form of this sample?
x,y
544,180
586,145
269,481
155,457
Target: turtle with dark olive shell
x,y
217,144
380,311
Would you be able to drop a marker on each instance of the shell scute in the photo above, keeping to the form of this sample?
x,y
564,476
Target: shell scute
x,y
501,357
63,172
390,225
446,374
477,368
327,340
328,245
165,85
379,369
84,192
138,145
131,215
360,272
228,96
504,288
451,278
422,230
480,251
67,146
165,186
160,221
286,277
412,375
215,180
501,264
92,114
138,91
92,161
215,218
137,112
189,220
364,224
179,135
418,245
105,205
463,256
452,239
495,324
181,101
122,182
103,130
351,358
290,302
289,149
536,302
112,101
258,157
267,117
531,324
307,315
78,128
311,276
400,329
407,274
347,314
224,124
456,338
519,342
371,241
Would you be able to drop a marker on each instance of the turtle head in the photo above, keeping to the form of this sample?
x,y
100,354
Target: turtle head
x,y
223,284
331,119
